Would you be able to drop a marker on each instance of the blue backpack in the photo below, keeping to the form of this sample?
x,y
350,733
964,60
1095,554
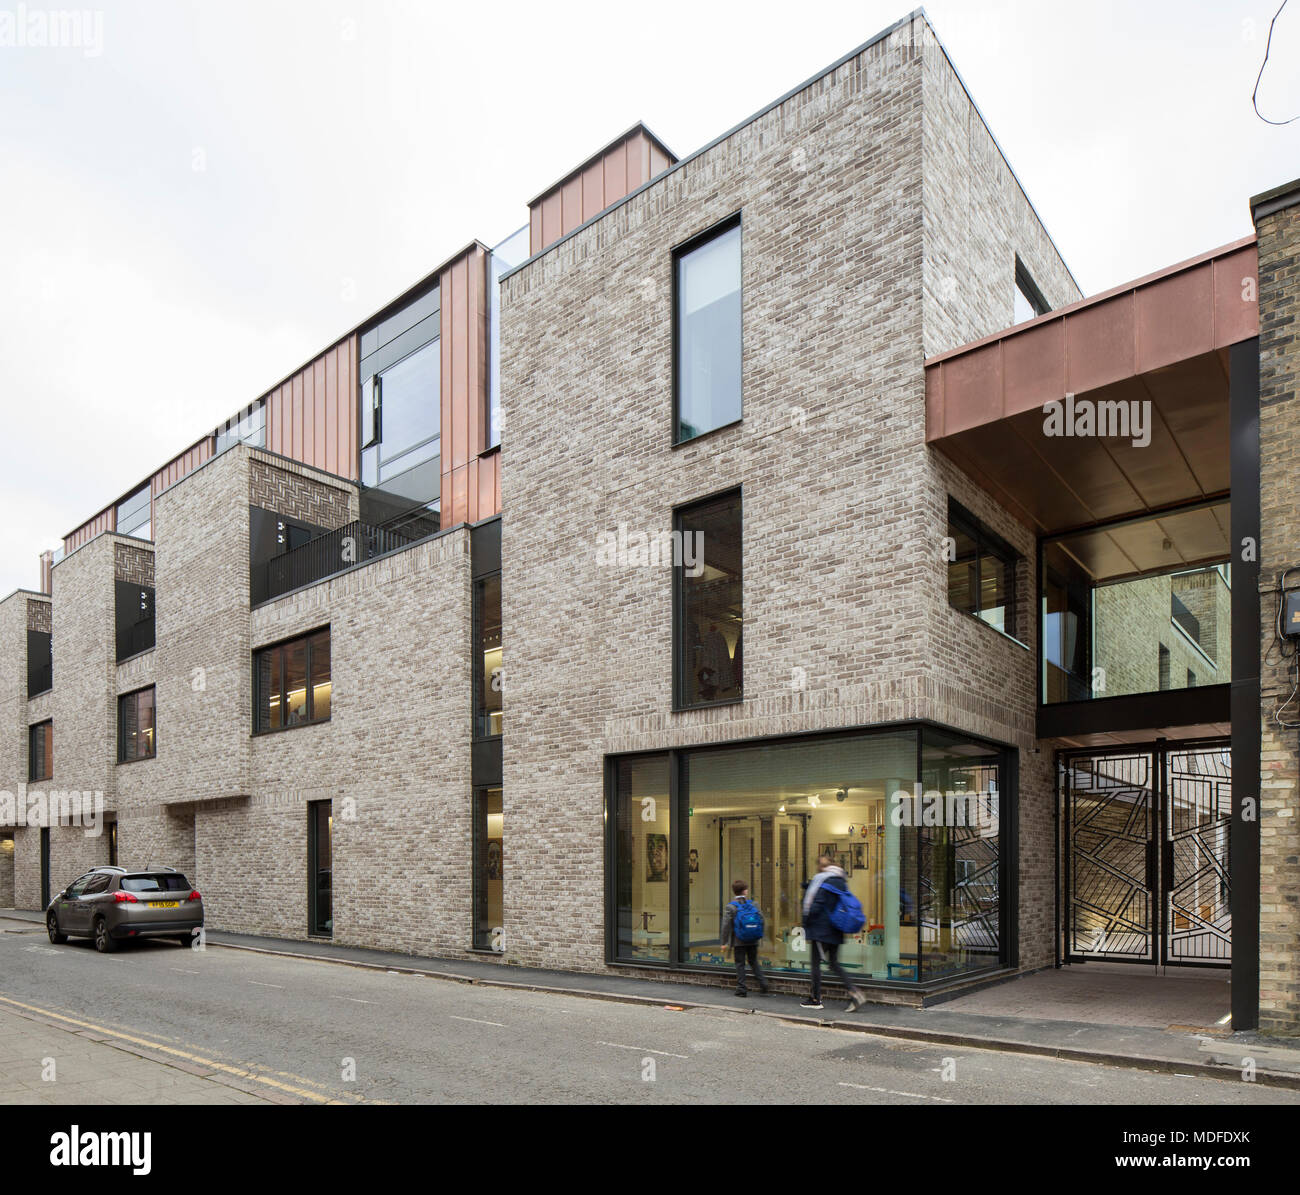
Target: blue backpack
x,y
847,915
748,925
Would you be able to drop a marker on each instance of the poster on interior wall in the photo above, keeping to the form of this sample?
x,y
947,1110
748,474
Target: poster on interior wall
x,y
656,858
845,860
492,859
829,849
859,854
693,861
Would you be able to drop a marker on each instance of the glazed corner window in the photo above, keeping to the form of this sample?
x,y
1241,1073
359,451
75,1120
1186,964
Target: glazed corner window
x,y
292,683
136,731
40,751
1029,301
134,514
981,571
708,608
706,332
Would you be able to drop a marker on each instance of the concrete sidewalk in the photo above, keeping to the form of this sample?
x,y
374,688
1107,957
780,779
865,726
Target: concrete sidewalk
x,y
41,1063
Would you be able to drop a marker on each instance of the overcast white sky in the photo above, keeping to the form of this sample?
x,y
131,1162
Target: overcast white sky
x,y
347,148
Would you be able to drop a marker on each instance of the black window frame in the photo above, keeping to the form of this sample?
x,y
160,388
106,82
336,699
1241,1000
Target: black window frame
x,y
40,663
315,927
482,720
987,543
679,627
678,760
46,725
685,249
122,699
281,646
1029,289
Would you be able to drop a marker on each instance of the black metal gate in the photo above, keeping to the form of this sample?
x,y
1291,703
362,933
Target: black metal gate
x,y
1146,854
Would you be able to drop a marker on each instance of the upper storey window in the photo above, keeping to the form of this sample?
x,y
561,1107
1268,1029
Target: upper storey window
x,y
401,416
248,427
706,333
1029,301
135,514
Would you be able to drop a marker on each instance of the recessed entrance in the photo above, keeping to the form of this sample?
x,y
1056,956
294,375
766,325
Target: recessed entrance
x,y
1146,854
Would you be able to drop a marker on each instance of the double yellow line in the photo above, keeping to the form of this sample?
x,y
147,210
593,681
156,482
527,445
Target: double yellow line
x,y
196,1059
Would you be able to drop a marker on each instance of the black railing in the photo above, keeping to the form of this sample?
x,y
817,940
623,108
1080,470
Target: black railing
x,y
343,548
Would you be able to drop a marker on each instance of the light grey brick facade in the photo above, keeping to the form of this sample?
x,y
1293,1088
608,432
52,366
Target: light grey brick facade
x,y
878,225
881,225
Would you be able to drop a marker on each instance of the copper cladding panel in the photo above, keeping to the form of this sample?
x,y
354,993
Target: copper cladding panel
x,y
616,171
106,520
312,416
181,466
466,497
1180,313
1160,340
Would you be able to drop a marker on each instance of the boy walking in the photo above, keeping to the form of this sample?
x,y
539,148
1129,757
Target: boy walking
x,y
742,927
820,933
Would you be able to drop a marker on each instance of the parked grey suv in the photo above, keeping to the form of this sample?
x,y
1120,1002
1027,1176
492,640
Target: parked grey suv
x,y
111,904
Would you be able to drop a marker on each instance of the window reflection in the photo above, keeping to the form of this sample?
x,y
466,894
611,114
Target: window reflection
x,y
708,335
711,650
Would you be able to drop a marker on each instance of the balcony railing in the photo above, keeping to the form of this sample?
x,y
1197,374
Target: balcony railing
x,y
343,548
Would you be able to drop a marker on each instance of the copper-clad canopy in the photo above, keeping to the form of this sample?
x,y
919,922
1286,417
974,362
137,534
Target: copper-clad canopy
x,y
1161,340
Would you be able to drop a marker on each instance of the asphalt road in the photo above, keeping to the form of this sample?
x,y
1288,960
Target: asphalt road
x,y
319,1032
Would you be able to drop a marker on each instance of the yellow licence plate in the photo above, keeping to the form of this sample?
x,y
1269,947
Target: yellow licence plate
x,y
164,904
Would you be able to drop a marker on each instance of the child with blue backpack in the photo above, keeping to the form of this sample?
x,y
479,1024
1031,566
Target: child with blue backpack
x,y
742,927
830,911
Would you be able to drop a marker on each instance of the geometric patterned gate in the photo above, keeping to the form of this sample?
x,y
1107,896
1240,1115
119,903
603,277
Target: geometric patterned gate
x,y
1198,804
1146,844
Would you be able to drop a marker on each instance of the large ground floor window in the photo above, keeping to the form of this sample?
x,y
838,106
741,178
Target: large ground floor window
x,y
913,816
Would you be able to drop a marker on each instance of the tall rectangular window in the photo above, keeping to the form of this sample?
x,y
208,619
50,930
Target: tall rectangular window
x,y
40,751
707,323
40,662
487,657
320,869
400,374
708,607
489,871
292,683
981,571
136,730
642,892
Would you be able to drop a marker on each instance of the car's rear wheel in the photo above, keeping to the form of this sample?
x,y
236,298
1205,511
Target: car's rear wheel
x,y
186,940
104,941
52,928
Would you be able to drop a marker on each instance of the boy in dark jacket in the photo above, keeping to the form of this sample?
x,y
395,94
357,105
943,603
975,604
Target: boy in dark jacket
x,y
820,933
745,951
